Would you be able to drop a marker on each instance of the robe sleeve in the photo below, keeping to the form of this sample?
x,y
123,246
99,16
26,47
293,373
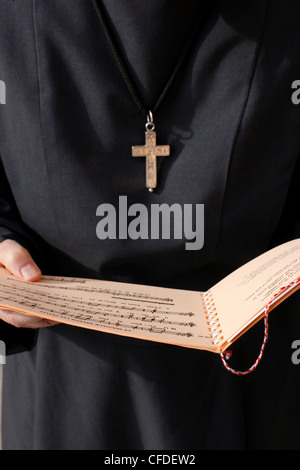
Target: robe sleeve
x,y
12,227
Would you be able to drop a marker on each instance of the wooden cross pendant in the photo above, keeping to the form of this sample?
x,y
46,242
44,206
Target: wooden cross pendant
x,y
150,150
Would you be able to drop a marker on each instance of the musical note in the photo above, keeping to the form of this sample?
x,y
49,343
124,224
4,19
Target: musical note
x,y
106,309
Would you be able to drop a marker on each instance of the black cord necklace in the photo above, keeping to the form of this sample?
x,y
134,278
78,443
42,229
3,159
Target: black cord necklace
x,y
150,150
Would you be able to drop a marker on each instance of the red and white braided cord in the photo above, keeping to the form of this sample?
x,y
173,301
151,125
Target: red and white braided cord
x,y
226,355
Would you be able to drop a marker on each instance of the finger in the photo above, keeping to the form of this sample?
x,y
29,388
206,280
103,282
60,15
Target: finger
x,y
20,320
18,261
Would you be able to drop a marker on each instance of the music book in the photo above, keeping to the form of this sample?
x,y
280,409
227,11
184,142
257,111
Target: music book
x,y
210,320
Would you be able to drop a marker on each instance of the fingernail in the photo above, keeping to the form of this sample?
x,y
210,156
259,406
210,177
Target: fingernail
x,y
29,271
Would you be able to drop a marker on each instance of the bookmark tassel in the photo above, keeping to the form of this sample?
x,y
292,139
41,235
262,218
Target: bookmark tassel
x,y
226,355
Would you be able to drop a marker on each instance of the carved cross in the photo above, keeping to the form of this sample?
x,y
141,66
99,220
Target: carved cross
x,y
150,150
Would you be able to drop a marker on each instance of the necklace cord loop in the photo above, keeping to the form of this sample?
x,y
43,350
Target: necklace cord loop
x,y
122,67
150,126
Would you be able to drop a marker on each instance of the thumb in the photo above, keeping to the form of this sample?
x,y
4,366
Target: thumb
x,y
18,261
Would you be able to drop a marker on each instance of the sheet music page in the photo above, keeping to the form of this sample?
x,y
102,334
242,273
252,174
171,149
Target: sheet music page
x,y
245,292
153,313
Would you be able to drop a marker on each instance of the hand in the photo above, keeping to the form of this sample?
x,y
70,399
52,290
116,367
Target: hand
x,y
18,261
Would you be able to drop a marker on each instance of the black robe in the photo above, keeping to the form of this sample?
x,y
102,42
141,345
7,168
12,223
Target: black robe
x,y
66,133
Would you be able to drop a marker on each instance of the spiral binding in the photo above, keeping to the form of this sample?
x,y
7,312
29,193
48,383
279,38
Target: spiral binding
x,y
212,318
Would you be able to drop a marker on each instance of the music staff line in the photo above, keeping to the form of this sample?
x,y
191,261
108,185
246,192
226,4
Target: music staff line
x,y
106,323
98,290
67,306
99,304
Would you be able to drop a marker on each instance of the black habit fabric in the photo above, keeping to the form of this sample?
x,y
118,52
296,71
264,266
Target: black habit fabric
x,y
66,134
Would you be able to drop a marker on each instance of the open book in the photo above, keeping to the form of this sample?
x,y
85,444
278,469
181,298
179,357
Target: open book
x,y
209,320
